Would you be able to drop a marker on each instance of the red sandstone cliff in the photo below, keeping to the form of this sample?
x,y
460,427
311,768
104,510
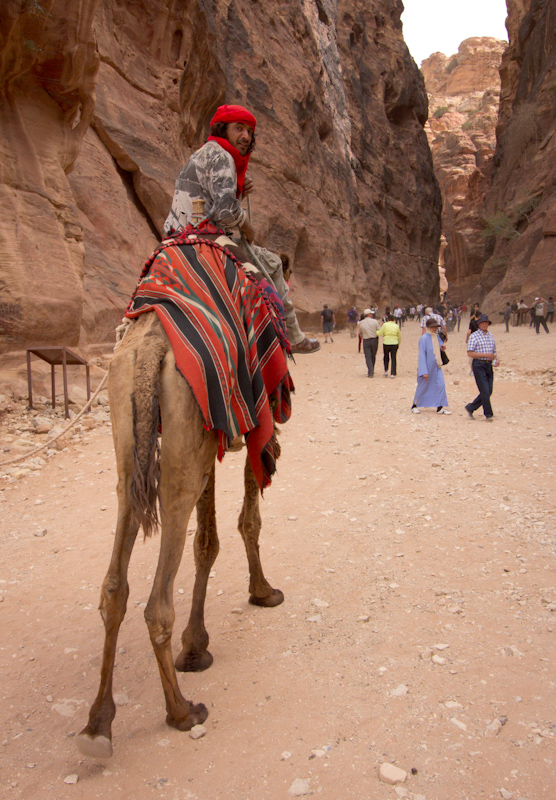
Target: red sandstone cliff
x,y
102,100
520,208
463,92
502,241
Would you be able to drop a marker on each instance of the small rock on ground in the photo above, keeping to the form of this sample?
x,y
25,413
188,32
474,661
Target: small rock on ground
x,y
300,787
391,774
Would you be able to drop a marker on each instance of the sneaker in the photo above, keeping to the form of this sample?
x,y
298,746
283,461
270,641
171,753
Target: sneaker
x,y
392,376
443,411
385,374
415,410
489,419
470,413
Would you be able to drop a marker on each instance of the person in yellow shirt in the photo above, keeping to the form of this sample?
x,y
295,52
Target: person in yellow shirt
x,y
390,343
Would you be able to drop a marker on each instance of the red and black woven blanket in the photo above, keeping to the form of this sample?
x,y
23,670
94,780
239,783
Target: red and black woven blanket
x,y
227,340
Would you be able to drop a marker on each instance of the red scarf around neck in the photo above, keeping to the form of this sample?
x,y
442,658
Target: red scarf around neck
x,y
240,161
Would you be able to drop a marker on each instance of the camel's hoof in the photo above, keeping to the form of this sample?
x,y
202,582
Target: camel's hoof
x,y
197,715
272,600
193,662
94,746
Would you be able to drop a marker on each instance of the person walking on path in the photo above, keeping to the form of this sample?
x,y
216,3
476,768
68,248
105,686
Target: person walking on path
x,y
368,333
430,313
328,322
550,310
541,307
515,314
506,316
390,343
352,320
473,326
522,312
431,387
481,348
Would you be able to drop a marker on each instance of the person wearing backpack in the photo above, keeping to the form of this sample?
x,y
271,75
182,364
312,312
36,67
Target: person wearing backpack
x,y
541,307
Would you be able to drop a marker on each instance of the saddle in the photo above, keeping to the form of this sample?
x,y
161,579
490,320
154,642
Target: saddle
x,y
227,329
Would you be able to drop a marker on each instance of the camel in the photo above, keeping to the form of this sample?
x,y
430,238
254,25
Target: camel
x,y
143,385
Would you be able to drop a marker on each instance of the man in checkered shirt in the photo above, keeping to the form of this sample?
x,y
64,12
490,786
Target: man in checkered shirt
x,y
481,347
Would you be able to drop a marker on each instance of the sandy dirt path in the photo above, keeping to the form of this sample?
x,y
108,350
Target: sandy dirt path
x,y
417,556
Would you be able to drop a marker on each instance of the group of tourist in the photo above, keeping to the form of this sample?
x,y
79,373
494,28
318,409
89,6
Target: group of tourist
x,y
539,312
435,324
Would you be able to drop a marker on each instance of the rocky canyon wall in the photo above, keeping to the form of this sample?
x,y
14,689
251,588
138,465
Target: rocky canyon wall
x,y
500,208
520,208
103,100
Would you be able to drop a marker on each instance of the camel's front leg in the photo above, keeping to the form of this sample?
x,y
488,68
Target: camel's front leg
x,y
261,592
194,655
96,738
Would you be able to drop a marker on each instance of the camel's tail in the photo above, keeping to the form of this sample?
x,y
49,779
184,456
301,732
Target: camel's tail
x,y
146,418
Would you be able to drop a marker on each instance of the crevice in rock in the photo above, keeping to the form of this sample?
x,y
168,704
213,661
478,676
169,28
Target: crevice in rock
x,y
127,179
105,60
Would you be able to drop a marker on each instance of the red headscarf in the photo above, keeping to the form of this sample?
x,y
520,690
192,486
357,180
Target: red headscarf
x,y
234,114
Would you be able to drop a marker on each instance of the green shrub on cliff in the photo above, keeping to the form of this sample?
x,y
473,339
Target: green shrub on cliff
x,y
499,225
440,112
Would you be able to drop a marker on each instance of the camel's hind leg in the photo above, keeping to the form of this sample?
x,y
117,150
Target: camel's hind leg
x,y
187,462
194,655
96,738
261,592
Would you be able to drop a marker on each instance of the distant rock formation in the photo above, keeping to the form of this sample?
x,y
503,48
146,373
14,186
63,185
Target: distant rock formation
x,y
102,101
464,92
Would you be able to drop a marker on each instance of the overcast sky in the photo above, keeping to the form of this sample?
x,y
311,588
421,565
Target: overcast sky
x,y
430,26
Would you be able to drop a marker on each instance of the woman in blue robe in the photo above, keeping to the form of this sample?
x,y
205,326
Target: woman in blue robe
x,y
431,388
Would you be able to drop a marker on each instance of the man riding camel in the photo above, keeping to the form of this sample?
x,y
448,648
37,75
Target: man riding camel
x,y
217,172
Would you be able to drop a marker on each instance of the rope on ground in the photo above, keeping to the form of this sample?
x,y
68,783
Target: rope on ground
x,y
50,442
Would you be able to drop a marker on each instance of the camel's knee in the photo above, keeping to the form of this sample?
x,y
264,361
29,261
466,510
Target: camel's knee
x,y
250,522
113,599
206,547
160,623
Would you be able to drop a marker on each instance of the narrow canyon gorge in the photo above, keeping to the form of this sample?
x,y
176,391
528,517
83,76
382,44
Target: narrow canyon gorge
x,y
102,101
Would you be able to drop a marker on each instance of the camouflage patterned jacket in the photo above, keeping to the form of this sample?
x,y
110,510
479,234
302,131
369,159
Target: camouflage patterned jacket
x,y
210,173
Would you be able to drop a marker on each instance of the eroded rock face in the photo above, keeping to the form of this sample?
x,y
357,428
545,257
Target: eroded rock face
x,y
103,100
464,94
520,208
502,243
48,67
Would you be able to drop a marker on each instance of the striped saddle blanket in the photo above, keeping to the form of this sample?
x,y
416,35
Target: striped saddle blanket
x,y
228,335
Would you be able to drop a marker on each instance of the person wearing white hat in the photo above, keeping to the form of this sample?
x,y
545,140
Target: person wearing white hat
x,y
367,334
541,307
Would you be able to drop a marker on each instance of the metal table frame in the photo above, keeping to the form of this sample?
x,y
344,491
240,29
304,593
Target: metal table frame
x,y
54,356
